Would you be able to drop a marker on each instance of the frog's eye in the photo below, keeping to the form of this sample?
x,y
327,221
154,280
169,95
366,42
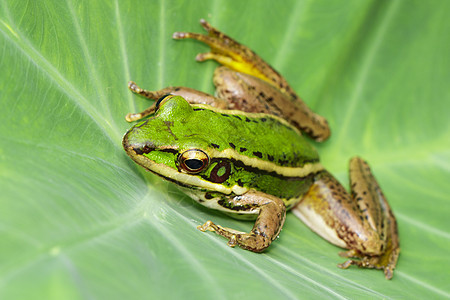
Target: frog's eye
x,y
193,161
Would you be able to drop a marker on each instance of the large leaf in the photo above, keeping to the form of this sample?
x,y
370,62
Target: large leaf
x,y
78,219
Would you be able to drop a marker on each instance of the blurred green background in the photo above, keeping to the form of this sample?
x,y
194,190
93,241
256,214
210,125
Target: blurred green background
x,y
79,220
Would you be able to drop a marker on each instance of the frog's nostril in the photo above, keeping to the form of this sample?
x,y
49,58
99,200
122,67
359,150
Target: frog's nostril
x,y
136,141
142,149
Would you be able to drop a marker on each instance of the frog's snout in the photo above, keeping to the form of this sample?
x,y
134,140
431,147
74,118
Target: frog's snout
x,y
132,142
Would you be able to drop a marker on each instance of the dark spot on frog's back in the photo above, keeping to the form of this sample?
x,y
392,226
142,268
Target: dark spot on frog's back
x,y
169,123
258,154
215,146
209,196
283,162
232,145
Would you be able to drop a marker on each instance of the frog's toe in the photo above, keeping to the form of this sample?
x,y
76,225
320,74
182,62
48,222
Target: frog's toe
x,y
232,242
205,56
179,35
385,262
208,225
346,264
132,86
206,25
351,254
369,264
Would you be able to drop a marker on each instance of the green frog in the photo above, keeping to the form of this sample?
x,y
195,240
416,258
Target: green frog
x,y
242,152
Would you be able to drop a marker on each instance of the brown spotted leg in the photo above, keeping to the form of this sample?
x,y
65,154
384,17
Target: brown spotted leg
x,y
362,222
191,95
240,58
232,54
363,183
272,213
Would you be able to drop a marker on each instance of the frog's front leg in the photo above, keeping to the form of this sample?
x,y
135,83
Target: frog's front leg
x,y
270,220
362,222
190,95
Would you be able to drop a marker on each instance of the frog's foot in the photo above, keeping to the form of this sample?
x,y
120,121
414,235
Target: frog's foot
x,y
385,262
272,213
229,233
232,54
254,241
208,225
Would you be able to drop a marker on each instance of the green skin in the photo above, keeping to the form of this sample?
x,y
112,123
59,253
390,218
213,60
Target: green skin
x,y
200,128
252,161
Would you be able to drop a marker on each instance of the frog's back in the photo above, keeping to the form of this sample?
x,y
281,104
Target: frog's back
x,y
259,136
265,152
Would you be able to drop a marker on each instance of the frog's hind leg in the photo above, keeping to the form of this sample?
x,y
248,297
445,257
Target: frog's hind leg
x,y
370,198
242,59
232,54
252,94
362,222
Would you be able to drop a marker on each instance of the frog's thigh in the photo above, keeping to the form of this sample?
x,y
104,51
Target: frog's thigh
x,y
330,211
322,207
238,89
272,213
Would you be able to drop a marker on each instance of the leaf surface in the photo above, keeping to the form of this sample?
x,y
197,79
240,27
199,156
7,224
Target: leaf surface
x,y
78,219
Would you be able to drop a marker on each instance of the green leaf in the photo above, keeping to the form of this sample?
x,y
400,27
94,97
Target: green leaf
x,y
78,219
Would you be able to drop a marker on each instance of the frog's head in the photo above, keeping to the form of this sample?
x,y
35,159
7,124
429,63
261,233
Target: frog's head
x,y
177,146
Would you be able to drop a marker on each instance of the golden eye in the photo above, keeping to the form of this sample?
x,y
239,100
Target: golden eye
x,y
193,161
